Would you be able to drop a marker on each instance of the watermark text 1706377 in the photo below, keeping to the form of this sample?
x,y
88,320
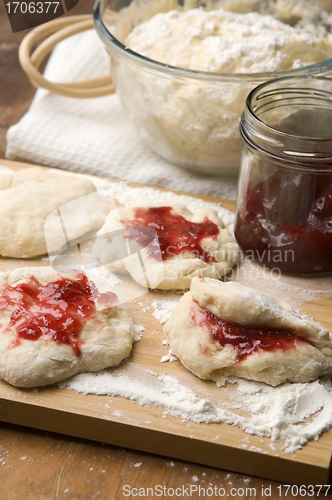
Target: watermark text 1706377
x,y
32,7
25,14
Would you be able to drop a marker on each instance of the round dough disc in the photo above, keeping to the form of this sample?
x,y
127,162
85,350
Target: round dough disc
x,y
105,339
29,196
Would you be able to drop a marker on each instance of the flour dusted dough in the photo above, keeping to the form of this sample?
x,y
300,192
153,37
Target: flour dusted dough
x,y
175,272
194,122
107,337
28,196
240,305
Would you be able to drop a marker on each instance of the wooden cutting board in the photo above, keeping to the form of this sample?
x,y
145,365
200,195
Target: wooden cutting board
x,y
125,423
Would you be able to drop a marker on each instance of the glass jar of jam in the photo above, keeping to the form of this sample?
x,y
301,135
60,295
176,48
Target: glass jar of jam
x,y
284,210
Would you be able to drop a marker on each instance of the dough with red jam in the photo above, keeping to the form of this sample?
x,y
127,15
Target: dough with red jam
x,y
29,196
207,248
221,329
34,351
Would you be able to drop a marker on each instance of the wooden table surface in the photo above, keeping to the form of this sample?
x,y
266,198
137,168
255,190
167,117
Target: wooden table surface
x,y
45,466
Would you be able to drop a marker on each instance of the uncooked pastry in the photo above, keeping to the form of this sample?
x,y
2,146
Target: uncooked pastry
x,y
104,340
28,196
177,271
195,343
226,42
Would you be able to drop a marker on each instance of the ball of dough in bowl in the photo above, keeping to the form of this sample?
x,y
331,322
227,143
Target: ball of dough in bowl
x,y
221,329
29,196
55,325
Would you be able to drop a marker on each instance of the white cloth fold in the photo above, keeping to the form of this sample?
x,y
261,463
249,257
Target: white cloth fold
x,y
94,136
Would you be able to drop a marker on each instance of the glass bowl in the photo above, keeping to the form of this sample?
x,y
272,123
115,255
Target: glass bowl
x,y
190,118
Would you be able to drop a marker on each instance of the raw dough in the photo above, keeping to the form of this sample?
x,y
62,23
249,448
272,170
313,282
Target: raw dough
x,y
236,304
226,42
177,271
107,339
29,196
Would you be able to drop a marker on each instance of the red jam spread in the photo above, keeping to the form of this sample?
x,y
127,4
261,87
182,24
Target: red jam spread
x,y
175,233
243,339
58,310
286,222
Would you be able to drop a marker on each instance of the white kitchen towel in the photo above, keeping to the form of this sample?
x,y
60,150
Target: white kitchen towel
x,y
93,135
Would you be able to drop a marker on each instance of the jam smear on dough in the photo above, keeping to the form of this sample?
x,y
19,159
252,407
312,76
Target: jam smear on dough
x,y
175,233
57,311
245,340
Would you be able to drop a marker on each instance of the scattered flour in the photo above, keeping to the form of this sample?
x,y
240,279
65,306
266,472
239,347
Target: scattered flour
x,y
291,414
219,41
163,309
127,195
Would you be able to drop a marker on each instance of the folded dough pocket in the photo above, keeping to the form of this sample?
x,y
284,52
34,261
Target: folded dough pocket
x,y
221,329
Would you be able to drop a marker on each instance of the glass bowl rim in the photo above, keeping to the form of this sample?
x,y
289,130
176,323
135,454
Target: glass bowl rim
x,y
135,58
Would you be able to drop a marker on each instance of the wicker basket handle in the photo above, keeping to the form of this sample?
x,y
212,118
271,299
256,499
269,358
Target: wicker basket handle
x,y
60,29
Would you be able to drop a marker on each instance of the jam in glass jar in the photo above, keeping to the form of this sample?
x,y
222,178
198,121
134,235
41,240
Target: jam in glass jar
x,y
284,210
